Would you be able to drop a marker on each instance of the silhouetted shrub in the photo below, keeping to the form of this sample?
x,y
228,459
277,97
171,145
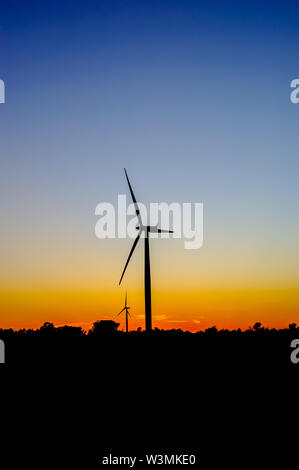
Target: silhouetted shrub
x,y
104,327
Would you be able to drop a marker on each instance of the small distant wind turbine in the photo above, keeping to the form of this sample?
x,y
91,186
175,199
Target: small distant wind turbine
x,y
146,229
127,314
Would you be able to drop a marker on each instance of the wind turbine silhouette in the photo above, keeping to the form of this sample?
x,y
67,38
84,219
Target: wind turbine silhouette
x,y
127,314
146,229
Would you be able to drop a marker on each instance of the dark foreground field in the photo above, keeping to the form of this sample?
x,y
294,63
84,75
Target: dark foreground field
x,y
228,397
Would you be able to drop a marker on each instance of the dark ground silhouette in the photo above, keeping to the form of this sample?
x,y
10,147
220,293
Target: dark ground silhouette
x,y
256,347
228,396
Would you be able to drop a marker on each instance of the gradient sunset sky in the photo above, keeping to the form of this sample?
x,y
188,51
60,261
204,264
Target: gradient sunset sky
x,y
193,98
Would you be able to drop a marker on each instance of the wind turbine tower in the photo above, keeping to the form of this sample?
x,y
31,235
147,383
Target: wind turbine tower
x,y
146,230
126,308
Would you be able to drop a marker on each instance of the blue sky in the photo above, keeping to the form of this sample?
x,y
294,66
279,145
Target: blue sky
x,y
191,96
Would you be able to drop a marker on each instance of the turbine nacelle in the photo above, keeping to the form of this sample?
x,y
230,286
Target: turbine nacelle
x,y
151,229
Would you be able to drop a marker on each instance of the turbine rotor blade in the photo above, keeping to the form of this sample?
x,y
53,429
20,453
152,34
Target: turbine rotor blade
x,y
126,300
159,230
121,311
134,199
165,231
129,257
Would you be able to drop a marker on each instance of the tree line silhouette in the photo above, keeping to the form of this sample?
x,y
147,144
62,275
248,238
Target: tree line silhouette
x,y
108,328
105,345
